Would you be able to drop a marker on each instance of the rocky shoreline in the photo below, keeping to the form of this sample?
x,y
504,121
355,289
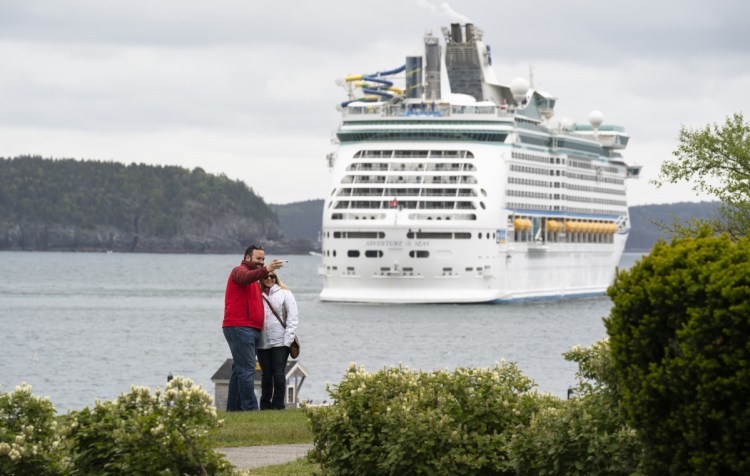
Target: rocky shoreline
x,y
53,237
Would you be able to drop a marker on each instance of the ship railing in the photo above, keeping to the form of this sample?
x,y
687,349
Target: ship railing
x,y
424,110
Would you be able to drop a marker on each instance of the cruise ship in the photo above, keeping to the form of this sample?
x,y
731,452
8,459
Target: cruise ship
x,y
448,186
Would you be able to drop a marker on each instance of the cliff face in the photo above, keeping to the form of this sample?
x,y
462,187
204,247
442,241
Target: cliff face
x,y
68,205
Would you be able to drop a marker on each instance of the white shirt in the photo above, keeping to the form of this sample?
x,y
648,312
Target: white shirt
x,y
274,334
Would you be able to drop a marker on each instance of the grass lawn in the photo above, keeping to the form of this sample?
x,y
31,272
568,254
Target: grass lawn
x,y
267,428
262,428
300,467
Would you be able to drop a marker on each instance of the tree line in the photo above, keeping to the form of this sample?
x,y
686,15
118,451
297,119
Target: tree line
x,y
146,198
68,204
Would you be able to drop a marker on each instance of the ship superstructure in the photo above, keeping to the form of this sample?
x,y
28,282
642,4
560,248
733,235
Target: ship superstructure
x,y
457,188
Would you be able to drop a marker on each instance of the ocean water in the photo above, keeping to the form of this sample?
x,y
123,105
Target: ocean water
x,y
85,326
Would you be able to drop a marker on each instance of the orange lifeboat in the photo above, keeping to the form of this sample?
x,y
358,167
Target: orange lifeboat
x,y
522,224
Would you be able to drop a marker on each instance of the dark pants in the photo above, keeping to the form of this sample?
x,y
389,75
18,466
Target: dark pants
x,y
273,379
242,343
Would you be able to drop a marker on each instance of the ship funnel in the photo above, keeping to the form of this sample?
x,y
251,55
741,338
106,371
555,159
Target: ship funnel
x,y
456,33
432,68
469,32
414,77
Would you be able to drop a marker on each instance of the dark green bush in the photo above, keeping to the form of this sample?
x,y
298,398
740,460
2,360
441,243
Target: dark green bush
x,y
680,341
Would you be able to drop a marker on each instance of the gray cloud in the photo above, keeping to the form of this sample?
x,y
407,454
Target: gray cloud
x,y
251,80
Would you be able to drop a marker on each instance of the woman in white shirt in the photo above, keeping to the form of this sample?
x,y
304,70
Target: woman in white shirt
x,y
273,350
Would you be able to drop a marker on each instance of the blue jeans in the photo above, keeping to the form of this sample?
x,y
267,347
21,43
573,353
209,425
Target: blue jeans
x,y
273,377
242,343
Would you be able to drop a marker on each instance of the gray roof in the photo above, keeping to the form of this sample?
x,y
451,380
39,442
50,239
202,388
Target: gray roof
x,y
225,371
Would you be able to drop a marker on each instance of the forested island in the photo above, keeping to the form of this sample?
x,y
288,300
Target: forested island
x,y
73,205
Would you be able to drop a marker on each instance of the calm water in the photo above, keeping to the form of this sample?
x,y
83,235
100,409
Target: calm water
x,y
85,326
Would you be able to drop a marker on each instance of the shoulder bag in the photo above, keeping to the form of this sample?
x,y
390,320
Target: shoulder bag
x,y
295,347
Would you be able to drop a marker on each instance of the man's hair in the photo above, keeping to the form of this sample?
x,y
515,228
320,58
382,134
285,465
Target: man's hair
x,y
251,248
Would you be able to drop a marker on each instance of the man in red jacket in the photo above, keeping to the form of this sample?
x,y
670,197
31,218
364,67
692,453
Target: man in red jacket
x,y
243,322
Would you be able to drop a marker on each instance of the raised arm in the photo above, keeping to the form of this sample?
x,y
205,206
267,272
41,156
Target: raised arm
x,y
243,275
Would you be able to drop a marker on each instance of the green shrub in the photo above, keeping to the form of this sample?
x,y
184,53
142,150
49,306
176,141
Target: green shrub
x,y
29,443
585,435
144,433
397,421
680,341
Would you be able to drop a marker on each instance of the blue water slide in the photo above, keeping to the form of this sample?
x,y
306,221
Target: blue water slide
x,y
378,92
381,90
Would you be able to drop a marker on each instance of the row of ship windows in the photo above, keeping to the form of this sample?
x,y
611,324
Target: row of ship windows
x,y
411,216
584,188
535,170
412,235
588,165
536,158
557,196
408,192
562,143
412,167
559,237
379,254
563,173
599,201
596,178
562,208
585,164
413,154
548,184
426,179
571,162
415,135
407,204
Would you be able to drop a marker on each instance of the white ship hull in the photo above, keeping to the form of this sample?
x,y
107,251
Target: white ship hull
x,y
522,276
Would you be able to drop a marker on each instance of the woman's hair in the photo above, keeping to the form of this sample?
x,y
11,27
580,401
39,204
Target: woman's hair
x,y
278,281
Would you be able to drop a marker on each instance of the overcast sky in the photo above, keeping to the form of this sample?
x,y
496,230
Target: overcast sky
x,y
247,88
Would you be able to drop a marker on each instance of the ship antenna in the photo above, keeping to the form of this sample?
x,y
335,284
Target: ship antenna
x,y
531,77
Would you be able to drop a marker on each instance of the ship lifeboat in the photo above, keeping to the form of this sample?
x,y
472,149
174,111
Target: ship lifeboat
x,y
522,224
553,226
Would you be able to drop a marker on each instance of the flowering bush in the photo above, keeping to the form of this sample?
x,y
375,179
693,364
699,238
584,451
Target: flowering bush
x,y
144,433
397,421
29,443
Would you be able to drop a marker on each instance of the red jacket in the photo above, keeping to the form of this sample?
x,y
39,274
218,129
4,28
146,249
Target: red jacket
x,y
243,305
